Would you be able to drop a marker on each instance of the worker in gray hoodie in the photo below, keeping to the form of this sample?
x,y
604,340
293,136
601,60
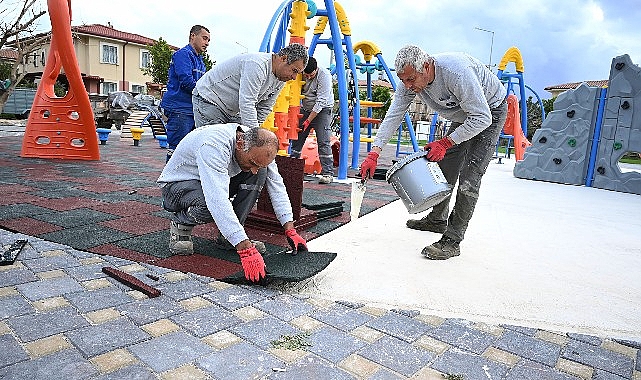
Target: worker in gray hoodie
x,y
462,89
244,88
216,174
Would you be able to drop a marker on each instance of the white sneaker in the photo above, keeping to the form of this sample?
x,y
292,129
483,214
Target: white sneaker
x,y
180,239
325,179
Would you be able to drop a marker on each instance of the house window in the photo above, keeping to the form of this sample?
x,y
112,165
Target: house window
x,y
108,53
145,59
137,89
108,87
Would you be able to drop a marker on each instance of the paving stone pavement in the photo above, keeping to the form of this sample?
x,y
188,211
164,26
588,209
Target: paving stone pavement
x,y
61,317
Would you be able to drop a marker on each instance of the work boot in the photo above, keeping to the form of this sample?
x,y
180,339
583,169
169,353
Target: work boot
x,y
442,249
425,224
326,179
180,239
221,243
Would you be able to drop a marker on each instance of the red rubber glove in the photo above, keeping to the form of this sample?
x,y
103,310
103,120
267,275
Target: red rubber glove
x,y
368,167
253,264
306,124
437,149
295,241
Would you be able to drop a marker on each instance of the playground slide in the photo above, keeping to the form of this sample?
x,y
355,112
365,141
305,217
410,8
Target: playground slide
x,y
513,127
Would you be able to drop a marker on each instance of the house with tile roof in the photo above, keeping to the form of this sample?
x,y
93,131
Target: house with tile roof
x,y
109,59
557,89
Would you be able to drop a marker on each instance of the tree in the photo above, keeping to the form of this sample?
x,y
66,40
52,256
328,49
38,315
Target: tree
x,y
17,32
534,117
160,59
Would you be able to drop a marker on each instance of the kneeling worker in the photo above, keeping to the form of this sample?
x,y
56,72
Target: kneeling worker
x,y
215,170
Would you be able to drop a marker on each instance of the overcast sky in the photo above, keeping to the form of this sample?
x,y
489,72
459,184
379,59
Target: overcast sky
x,y
560,41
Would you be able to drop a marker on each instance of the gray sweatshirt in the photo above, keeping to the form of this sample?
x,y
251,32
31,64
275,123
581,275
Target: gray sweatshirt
x,y
243,84
207,154
464,90
318,92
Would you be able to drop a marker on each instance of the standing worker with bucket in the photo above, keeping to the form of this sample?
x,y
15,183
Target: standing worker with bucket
x,y
463,90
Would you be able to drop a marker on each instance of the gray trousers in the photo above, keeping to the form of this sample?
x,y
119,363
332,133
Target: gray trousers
x,y
186,200
466,163
322,126
206,113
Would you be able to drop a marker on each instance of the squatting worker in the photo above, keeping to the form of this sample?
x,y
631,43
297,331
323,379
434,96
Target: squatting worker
x,y
316,107
244,88
212,165
185,68
463,90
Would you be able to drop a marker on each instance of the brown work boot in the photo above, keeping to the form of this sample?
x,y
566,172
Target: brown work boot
x,y
425,224
442,249
180,239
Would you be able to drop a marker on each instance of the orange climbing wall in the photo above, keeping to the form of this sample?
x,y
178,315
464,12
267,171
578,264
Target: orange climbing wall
x,y
61,127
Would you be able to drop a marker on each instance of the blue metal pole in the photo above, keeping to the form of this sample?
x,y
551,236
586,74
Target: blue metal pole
x,y
342,88
596,137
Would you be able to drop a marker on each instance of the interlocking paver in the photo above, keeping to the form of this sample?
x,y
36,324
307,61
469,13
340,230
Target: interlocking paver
x,y
170,351
105,337
341,317
184,289
35,326
150,309
598,358
137,372
263,331
385,374
333,344
98,299
240,361
526,346
205,321
312,367
49,288
590,339
400,326
48,345
469,365
13,306
529,331
233,298
397,355
44,264
16,276
67,364
460,334
86,272
285,307
526,369
600,374
11,351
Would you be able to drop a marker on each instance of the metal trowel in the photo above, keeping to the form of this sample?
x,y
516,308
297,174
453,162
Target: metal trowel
x,y
358,192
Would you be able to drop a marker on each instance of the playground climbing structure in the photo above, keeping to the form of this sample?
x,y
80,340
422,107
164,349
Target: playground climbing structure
x,y
590,129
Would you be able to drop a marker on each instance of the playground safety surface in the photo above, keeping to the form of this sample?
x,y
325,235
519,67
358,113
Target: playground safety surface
x,y
113,207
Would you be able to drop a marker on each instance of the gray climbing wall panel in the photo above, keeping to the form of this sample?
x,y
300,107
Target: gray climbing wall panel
x,y
560,150
621,130
561,147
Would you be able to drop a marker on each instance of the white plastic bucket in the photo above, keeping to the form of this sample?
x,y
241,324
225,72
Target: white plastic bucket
x,y
418,182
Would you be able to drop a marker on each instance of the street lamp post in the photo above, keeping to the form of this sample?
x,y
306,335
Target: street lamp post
x,y
491,45
243,46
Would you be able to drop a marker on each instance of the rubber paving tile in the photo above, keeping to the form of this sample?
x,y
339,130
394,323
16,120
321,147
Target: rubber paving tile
x,y
112,207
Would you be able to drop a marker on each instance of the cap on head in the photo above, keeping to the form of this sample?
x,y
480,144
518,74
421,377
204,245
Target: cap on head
x,y
311,66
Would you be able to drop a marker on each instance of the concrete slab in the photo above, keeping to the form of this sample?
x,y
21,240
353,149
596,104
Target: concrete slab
x,y
537,254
